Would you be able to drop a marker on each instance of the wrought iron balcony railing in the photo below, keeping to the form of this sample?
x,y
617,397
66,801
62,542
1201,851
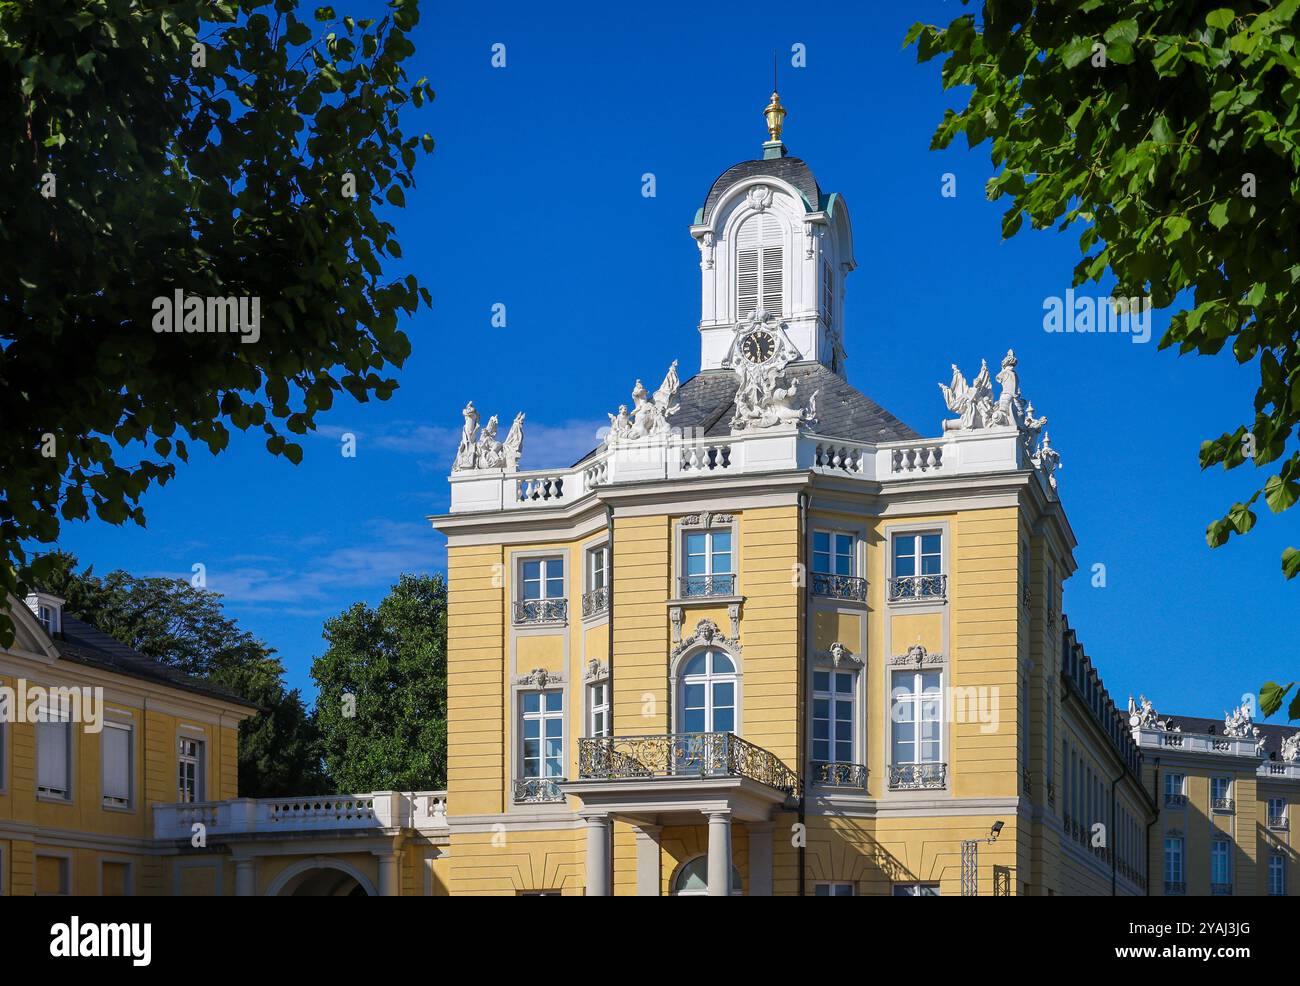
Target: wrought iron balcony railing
x,y
538,790
839,587
833,774
918,776
1225,806
909,587
542,611
694,586
1220,889
682,755
1175,888
1278,823
595,602
1175,801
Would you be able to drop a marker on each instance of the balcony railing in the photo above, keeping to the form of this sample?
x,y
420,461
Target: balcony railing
x,y
694,586
326,813
1220,889
682,755
1278,823
918,776
595,602
1225,806
538,790
1175,801
904,588
839,587
1175,888
542,612
833,774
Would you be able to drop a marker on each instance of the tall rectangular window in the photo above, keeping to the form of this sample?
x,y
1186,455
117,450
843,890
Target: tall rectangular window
x,y
1173,788
543,578
542,733
1221,794
1051,741
115,752
1277,813
1277,875
833,716
598,705
597,568
917,566
190,780
1173,861
917,712
709,564
833,553
54,759
759,266
1221,862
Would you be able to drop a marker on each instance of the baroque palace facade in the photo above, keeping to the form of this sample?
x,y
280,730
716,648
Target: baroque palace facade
x,y
766,640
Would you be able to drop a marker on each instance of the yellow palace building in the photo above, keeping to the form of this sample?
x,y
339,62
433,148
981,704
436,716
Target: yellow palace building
x,y
765,639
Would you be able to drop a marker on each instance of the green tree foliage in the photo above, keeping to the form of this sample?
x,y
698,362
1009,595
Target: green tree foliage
x,y
207,146
185,627
390,663
1167,133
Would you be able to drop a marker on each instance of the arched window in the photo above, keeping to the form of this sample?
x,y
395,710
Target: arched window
x,y
707,693
759,266
692,879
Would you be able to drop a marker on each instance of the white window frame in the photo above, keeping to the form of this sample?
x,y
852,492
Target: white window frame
x,y
833,553
834,888
597,553
544,563
542,716
708,679
1221,847
46,793
918,676
1178,857
1182,784
595,707
709,555
1276,874
833,696
768,247
917,555
114,803
197,759
918,531
1281,813
1227,790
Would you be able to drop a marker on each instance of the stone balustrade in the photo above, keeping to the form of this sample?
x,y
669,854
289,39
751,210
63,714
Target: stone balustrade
x,y
426,810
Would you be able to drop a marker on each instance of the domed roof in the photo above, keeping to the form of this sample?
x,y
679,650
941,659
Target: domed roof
x,y
791,170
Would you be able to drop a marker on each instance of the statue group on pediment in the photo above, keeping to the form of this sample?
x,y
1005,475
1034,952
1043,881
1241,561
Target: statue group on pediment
x,y
480,448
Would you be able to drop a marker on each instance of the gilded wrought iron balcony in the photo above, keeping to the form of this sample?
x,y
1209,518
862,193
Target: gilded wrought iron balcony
x,y
538,790
1175,888
839,586
1220,889
834,774
1175,801
595,602
918,776
1278,823
682,755
1225,806
904,588
542,612
694,586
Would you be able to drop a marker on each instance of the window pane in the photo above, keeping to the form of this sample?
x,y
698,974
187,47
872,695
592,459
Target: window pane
x,y
821,681
722,563
723,694
532,701
693,696
696,665
554,701
821,541
693,720
724,720
722,663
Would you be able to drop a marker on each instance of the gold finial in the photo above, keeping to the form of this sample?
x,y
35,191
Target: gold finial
x,y
775,114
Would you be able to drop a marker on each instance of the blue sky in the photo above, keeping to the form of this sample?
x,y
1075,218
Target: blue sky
x,y
533,200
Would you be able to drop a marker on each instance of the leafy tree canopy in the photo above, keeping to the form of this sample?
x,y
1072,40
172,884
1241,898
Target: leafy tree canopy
x,y
186,628
382,706
1167,133
222,148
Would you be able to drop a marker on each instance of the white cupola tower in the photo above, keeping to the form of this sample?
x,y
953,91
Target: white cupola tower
x,y
774,252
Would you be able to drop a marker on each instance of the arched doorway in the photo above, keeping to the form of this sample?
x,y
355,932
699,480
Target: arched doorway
x,y
322,877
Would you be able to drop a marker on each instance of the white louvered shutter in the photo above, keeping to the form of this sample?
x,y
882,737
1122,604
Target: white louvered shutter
x,y
759,266
117,764
52,757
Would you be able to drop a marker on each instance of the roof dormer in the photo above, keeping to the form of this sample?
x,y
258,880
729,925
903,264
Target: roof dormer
x,y
49,611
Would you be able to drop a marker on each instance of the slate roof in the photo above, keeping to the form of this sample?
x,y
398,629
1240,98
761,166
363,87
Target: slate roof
x,y
1273,735
82,643
789,169
708,400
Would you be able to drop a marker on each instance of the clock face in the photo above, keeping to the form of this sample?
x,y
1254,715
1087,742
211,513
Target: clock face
x,y
758,347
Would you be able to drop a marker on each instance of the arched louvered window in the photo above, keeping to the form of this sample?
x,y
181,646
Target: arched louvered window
x,y
759,266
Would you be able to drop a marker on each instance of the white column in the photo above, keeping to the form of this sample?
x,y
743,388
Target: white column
x,y
760,858
719,853
649,874
389,883
597,855
245,877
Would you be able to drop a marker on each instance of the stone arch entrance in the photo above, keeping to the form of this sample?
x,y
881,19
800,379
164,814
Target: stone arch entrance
x,y
322,877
